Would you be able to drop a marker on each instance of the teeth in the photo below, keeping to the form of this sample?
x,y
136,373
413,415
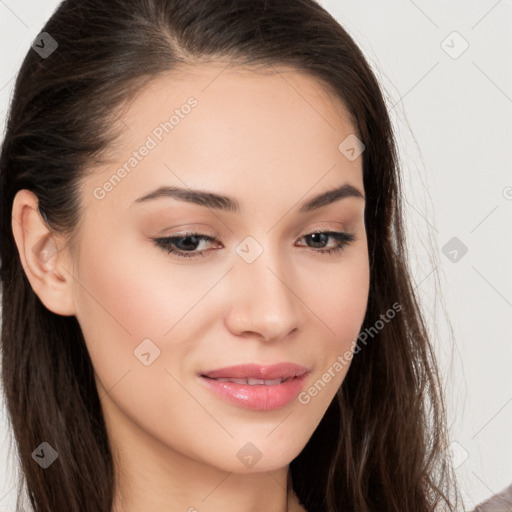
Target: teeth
x,y
272,382
238,381
254,382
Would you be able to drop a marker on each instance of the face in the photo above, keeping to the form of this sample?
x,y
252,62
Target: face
x,y
249,282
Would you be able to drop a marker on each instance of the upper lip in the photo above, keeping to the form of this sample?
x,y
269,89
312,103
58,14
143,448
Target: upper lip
x,y
257,371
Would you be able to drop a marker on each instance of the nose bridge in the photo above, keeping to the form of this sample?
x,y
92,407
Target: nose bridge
x,y
263,298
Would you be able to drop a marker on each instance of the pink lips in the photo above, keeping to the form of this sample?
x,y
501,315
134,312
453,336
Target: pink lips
x,y
259,396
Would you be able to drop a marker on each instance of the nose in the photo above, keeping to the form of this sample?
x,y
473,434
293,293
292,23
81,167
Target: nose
x,y
262,299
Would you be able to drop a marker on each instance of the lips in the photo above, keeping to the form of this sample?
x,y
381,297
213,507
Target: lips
x,y
257,387
254,374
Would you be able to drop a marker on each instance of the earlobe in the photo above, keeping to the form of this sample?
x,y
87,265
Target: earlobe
x,y
44,262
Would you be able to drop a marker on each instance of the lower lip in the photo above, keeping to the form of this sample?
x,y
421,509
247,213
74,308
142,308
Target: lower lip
x,y
260,397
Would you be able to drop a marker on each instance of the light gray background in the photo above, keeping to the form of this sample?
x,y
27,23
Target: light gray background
x,y
453,121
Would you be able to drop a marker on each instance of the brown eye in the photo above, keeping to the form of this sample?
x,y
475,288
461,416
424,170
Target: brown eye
x,y
181,245
320,237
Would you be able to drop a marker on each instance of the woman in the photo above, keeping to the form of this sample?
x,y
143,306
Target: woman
x,y
281,363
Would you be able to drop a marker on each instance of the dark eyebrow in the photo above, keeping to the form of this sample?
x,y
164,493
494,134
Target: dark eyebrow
x,y
220,202
331,196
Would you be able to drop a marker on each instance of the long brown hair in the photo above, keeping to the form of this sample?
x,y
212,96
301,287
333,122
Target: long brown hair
x,y
381,445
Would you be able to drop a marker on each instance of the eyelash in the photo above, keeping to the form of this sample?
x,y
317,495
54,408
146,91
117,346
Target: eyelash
x,y
343,240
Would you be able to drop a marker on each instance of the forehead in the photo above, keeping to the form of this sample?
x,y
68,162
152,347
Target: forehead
x,y
214,124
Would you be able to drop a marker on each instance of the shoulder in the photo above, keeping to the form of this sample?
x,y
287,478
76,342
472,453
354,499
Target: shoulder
x,y
501,502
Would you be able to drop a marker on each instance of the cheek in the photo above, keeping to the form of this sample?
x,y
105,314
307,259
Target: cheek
x,y
340,298
339,308
119,304
129,289
128,293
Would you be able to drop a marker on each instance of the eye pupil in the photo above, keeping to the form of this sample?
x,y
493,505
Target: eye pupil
x,y
195,241
316,235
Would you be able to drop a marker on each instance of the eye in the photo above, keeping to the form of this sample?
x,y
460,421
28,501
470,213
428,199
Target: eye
x,y
170,243
185,246
341,238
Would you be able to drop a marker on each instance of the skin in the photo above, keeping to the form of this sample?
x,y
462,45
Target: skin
x,y
271,142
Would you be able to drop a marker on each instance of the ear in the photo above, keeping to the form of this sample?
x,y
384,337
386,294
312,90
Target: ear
x,y
45,261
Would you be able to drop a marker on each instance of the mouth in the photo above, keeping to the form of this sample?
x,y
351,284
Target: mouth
x,y
251,381
256,387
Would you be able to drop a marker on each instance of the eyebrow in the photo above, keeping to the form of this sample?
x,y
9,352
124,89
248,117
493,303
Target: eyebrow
x,y
229,204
